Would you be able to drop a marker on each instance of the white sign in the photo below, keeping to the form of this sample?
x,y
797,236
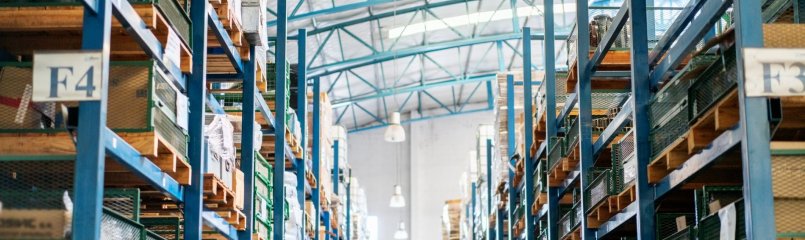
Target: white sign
x,y
67,76
774,72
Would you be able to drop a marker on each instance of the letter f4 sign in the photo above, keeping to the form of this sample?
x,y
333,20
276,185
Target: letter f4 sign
x,y
67,76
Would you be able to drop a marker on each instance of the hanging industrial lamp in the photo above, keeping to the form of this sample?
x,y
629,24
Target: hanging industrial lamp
x,y
401,233
395,132
397,200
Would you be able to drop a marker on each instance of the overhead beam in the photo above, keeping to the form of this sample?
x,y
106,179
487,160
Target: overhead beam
x,y
336,9
414,88
380,57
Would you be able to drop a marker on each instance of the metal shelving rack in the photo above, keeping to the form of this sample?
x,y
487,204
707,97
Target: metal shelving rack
x,y
647,69
97,141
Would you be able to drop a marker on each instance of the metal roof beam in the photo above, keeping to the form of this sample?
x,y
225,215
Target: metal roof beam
x,y
336,9
336,67
415,88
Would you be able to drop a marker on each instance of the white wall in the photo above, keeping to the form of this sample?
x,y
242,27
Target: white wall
x,y
373,163
433,158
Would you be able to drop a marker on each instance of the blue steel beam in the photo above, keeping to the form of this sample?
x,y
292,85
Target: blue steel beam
x,y
755,154
415,88
490,233
641,93
334,9
316,151
196,94
127,156
510,150
279,128
247,145
226,42
584,93
549,46
301,114
530,227
331,68
90,154
472,215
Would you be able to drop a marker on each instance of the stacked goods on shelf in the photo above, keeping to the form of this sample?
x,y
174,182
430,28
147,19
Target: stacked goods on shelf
x,y
255,21
451,217
293,225
167,20
143,108
237,136
221,160
359,211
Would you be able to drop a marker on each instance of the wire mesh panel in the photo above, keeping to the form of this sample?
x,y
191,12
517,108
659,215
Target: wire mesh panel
x,y
556,153
140,100
117,227
709,228
164,227
600,188
572,135
29,184
713,84
689,233
667,225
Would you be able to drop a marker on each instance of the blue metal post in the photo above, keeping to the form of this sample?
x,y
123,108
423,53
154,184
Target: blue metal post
x,y
349,206
279,128
327,225
247,145
550,116
196,94
316,155
499,227
301,113
336,172
472,211
584,93
490,234
758,197
510,116
91,154
528,133
641,92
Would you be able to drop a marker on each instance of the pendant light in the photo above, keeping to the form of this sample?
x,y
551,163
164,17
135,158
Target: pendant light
x,y
401,233
395,132
397,200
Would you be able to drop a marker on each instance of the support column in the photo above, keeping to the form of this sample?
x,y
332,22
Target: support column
x,y
755,154
530,227
91,151
279,120
510,147
316,150
641,92
196,94
247,146
301,113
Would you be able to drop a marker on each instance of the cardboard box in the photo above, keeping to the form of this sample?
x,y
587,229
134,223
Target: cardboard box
x,y
32,224
238,188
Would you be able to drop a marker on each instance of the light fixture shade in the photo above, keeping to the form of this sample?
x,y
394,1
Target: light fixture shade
x,y
395,132
397,200
401,233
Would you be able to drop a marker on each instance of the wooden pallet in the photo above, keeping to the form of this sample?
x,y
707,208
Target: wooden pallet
x,y
602,212
626,197
149,144
614,60
219,198
722,116
567,164
153,146
59,28
574,235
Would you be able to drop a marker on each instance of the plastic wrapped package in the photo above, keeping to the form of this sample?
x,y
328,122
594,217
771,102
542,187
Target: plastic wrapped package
x,y
219,132
629,171
237,124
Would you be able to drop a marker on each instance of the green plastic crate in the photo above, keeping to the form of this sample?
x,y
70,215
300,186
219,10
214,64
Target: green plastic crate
x,y
709,228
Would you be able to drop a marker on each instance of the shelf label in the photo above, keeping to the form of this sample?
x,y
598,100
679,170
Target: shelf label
x,y
774,72
67,76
